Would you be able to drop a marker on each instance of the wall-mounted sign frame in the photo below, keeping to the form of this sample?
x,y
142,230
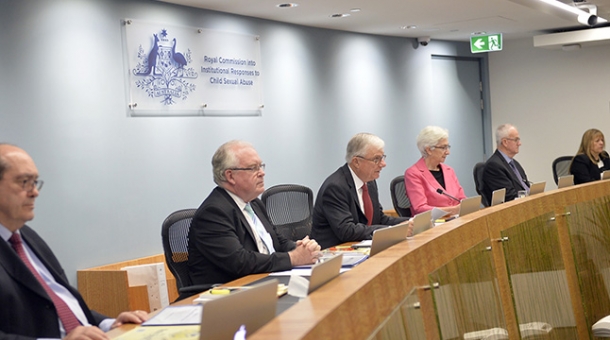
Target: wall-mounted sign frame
x,y
177,70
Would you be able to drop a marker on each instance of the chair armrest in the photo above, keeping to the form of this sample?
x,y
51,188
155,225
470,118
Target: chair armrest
x,y
192,290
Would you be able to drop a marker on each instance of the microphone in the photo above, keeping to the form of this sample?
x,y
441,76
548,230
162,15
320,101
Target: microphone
x,y
440,191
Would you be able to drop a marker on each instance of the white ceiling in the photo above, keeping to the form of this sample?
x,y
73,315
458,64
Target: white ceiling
x,y
452,20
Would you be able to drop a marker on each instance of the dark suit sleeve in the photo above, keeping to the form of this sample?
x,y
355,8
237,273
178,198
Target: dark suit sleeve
x,y
216,235
580,168
496,177
337,210
389,220
383,218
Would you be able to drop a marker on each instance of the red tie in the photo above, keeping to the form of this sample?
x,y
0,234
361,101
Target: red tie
x,y
68,319
368,205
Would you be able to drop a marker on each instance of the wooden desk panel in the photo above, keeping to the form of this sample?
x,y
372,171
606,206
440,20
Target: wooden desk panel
x,y
358,302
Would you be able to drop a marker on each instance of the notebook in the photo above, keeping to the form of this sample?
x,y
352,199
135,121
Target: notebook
x,y
387,237
422,222
324,272
565,181
537,187
605,174
244,311
497,196
470,205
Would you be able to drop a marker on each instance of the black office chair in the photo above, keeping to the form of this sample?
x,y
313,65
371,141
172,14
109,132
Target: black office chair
x,y
400,200
290,209
477,173
174,233
561,167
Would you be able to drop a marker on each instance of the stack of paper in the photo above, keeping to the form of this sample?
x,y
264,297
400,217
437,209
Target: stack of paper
x,y
153,277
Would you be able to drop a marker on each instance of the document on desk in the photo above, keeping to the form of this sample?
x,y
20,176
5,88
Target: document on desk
x,y
161,333
176,315
438,213
302,272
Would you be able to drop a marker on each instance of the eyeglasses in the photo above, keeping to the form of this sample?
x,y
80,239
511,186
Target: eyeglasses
x,y
441,147
254,168
375,160
30,183
516,140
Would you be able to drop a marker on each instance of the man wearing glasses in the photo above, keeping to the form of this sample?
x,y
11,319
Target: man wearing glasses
x,y
37,300
230,235
501,169
347,206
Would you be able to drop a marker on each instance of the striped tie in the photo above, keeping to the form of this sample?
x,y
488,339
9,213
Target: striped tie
x,y
68,319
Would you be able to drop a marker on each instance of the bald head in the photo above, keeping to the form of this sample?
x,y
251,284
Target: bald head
x,y
18,189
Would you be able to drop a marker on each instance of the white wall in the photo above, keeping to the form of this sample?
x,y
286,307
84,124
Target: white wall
x,y
552,97
110,180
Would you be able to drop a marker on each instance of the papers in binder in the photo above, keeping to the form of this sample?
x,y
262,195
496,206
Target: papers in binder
x,y
153,277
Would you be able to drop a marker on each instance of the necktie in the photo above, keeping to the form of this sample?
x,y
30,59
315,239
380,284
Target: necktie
x,y
368,204
263,235
514,167
68,319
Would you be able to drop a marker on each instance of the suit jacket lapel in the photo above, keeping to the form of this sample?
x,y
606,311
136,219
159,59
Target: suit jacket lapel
x,y
511,173
353,191
421,166
240,215
18,270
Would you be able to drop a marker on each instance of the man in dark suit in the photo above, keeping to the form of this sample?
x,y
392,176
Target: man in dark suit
x,y
230,235
342,211
37,300
501,169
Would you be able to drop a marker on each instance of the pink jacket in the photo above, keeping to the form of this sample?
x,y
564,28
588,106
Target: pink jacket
x,y
421,188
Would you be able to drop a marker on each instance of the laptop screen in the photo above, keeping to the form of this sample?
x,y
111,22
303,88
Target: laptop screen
x,y
243,312
470,205
387,237
498,196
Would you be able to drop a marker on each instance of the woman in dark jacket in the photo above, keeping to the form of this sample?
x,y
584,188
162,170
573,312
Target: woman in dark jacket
x,y
591,159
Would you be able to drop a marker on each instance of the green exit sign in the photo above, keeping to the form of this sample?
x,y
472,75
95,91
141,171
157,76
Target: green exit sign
x,y
486,43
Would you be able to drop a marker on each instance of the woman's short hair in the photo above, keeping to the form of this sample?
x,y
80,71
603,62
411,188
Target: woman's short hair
x,y
585,144
358,145
225,158
429,137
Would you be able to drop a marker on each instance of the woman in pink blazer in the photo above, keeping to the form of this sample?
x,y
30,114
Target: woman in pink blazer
x,y
429,182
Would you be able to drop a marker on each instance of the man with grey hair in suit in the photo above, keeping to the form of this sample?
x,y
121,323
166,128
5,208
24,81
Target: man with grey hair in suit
x,y
501,169
230,235
347,207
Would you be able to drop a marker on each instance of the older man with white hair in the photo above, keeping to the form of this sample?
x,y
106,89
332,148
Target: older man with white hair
x,y
230,235
501,169
347,206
